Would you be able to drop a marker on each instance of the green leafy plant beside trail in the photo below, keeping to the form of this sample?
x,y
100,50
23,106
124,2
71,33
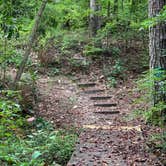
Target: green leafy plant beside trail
x,y
30,144
10,114
39,147
159,140
153,113
114,73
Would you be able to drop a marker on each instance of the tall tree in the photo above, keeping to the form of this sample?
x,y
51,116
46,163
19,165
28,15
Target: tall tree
x,y
157,48
108,8
116,9
94,17
30,42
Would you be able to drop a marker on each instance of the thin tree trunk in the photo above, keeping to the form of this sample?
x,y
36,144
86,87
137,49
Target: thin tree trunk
x,y
5,64
157,48
95,23
108,9
30,43
122,4
116,9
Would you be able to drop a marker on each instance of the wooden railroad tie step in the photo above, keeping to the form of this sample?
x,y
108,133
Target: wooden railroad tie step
x,y
107,112
106,105
94,91
100,97
88,84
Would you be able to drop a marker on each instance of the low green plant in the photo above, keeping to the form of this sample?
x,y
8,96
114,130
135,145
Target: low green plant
x,y
71,43
35,143
54,71
111,81
113,73
90,50
134,114
41,145
159,141
16,58
10,114
118,68
153,112
81,64
115,51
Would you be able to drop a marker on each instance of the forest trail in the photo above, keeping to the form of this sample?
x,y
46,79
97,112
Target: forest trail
x,y
106,139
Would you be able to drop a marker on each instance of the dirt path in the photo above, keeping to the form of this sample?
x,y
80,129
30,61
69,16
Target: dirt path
x,y
106,138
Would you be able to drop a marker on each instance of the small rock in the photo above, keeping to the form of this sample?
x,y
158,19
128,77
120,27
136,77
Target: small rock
x,y
31,120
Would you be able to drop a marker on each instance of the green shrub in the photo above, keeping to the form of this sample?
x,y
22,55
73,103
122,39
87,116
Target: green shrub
x,y
159,140
115,72
54,71
43,145
79,64
10,114
153,113
91,50
30,144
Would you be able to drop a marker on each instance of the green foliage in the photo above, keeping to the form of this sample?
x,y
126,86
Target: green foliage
x,y
133,115
38,147
12,16
159,140
72,42
10,114
72,13
79,64
115,51
23,145
150,22
54,71
13,57
153,113
92,50
112,73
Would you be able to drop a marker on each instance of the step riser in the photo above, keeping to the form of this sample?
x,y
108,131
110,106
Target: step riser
x,y
87,85
105,105
94,91
107,112
100,98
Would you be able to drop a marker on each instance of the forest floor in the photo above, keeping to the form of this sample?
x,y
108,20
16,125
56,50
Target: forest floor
x,y
108,135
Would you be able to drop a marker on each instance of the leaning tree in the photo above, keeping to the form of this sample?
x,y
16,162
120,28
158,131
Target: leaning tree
x,y
30,43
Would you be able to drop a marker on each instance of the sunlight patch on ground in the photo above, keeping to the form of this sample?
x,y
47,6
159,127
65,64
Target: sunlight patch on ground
x,y
108,127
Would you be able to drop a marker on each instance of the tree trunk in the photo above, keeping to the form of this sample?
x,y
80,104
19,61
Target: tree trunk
x,y
30,43
108,9
116,9
94,18
157,49
122,4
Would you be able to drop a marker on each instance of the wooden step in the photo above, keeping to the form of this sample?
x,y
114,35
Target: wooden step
x,y
107,112
105,105
94,91
88,84
101,97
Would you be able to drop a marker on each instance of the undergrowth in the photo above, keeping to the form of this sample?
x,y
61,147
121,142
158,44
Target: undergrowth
x,y
153,113
30,144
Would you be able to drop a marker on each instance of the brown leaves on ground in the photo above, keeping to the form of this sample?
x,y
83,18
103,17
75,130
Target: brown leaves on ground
x,y
105,139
